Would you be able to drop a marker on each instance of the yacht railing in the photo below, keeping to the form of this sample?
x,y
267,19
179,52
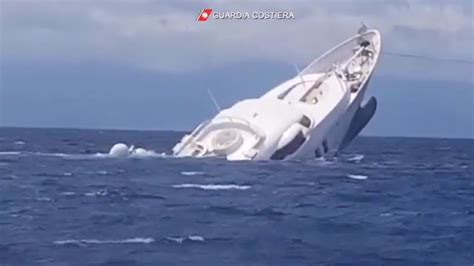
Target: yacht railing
x,y
241,121
223,119
338,54
200,128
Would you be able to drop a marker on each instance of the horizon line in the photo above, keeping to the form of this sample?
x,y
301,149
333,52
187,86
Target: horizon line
x,y
185,131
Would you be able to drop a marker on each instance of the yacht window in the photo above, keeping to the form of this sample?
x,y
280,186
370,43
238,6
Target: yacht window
x,y
285,93
364,43
317,153
305,121
325,146
311,95
289,148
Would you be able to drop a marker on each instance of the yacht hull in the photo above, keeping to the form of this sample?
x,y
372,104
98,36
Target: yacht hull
x,y
315,114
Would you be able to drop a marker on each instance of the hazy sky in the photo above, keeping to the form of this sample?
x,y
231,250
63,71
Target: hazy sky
x,y
147,64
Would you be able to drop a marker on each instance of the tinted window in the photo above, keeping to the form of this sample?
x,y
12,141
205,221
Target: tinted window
x,y
325,146
317,153
305,121
289,148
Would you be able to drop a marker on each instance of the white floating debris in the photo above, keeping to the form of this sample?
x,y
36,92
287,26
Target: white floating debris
x,y
119,150
122,150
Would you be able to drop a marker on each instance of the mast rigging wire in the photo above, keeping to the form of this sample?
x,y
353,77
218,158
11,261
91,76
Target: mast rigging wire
x,y
429,58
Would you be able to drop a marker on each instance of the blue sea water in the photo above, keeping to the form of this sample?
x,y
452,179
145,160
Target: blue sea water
x,y
385,201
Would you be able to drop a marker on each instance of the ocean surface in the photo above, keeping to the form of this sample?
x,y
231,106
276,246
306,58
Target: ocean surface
x,y
385,201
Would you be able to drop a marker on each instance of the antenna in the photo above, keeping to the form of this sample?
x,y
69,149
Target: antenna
x,y
214,100
299,75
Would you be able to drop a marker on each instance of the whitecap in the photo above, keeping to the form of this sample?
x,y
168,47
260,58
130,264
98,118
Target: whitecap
x,y
196,238
68,193
19,142
180,240
137,240
443,148
323,162
50,154
142,153
131,152
102,172
176,239
97,193
358,177
213,186
47,199
192,173
356,158
10,153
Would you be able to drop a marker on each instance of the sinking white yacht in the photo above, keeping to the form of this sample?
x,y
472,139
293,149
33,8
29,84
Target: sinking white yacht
x,y
315,114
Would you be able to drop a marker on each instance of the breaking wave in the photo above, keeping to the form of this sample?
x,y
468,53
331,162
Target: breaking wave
x,y
357,158
182,239
192,173
137,240
358,177
7,153
213,186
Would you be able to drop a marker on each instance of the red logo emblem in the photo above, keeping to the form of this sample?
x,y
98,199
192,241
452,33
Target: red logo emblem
x,y
204,14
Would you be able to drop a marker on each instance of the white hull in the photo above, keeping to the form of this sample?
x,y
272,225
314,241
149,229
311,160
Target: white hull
x,y
310,115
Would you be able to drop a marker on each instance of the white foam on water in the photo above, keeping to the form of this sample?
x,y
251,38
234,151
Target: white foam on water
x,y
118,150
10,153
176,239
51,154
102,172
47,199
19,142
213,186
97,193
196,238
358,177
323,162
192,173
357,158
68,193
182,239
136,240
443,148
